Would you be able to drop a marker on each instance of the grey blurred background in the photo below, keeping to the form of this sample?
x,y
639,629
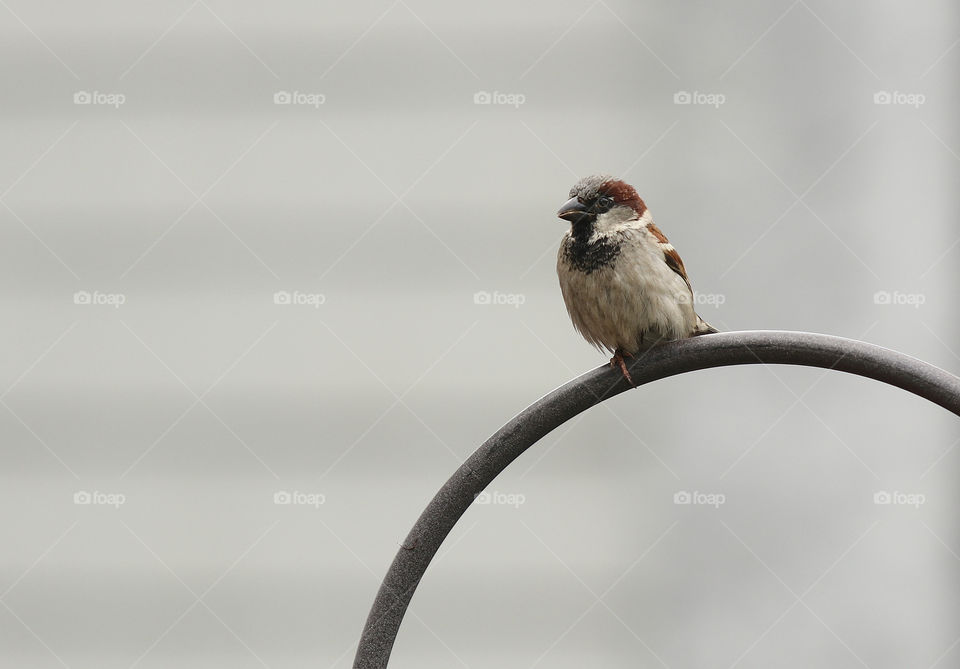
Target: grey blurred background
x,y
257,253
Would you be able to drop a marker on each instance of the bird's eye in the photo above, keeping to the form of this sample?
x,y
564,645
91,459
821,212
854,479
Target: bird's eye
x,y
604,203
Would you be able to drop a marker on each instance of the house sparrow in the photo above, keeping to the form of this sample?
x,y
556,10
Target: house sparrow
x,y
624,284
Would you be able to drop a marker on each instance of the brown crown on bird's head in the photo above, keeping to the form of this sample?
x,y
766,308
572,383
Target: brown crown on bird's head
x,y
597,194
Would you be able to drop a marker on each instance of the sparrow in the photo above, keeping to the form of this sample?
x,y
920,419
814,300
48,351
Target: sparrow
x,y
623,283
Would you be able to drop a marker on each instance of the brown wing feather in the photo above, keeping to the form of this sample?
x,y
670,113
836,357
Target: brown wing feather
x,y
670,255
676,264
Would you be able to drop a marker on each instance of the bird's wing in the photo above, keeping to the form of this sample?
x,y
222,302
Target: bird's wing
x,y
670,255
674,262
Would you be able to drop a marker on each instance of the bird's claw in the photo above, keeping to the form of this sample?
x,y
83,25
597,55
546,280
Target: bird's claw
x,y
618,361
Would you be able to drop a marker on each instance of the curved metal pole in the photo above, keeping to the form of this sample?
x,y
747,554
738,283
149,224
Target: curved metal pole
x,y
559,406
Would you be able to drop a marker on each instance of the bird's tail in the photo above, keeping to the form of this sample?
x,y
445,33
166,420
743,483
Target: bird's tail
x,y
702,327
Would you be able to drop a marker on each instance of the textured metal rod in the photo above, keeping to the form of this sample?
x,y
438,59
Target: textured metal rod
x,y
524,430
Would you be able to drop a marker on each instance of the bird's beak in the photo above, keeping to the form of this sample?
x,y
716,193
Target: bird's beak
x,y
574,211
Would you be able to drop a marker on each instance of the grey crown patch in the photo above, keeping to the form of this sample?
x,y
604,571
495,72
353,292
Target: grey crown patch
x,y
588,187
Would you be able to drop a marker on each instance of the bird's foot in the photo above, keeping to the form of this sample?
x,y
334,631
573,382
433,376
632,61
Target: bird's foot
x,y
618,361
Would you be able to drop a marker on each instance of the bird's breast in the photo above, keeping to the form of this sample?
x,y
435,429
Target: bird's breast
x,y
584,255
618,293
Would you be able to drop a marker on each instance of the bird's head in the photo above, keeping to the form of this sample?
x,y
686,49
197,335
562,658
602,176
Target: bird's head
x,y
601,202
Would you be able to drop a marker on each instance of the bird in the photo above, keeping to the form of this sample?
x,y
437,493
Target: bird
x,y
624,285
